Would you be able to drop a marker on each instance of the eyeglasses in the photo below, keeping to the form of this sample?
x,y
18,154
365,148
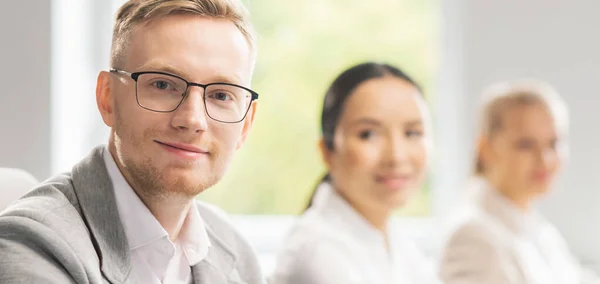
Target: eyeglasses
x,y
163,92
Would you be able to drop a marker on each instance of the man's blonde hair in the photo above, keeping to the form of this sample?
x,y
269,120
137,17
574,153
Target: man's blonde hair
x,y
136,12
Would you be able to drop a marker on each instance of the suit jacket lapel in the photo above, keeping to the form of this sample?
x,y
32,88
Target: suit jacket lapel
x,y
218,266
95,193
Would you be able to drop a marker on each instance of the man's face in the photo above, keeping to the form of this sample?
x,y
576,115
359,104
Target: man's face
x,y
181,152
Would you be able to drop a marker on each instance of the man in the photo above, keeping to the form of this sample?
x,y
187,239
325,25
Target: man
x,y
178,104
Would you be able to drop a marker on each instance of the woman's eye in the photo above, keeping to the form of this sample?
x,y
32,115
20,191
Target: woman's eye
x,y
414,133
366,134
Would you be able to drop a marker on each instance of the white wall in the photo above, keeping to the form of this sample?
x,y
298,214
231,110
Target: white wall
x,y
51,52
25,81
81,35
557,41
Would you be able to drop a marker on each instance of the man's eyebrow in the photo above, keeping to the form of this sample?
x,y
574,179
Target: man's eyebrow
x,y
162,67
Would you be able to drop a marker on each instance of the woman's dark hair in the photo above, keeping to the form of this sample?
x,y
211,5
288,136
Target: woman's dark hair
x,y
339,92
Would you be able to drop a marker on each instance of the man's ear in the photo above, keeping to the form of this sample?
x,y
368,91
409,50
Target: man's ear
x,y
104,98
248,123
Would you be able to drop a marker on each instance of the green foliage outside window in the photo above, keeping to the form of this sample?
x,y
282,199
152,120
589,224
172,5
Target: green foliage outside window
x,y
303,46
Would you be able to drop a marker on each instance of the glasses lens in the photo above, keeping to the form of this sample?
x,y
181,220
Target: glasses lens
x,y
160,92
227,103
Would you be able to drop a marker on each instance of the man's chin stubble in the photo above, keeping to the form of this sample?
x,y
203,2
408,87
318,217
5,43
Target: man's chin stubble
x,y
155,185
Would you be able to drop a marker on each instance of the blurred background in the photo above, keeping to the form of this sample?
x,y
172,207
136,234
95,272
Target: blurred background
x,y
53,50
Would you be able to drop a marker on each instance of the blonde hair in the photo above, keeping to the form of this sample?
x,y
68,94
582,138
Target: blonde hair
x,y
502,97
135,12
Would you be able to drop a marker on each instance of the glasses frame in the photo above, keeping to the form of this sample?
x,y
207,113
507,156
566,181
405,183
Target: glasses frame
x,y
136,75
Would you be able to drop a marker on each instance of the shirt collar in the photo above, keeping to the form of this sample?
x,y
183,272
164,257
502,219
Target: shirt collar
x,y
334,206
193,237
142,228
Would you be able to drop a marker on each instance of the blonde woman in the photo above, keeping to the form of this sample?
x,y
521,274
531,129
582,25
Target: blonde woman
x,y
499,237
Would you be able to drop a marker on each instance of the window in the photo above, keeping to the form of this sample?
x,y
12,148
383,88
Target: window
x,y
303,46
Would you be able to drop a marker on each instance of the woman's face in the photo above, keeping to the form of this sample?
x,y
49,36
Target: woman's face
x,y
521,158
380,152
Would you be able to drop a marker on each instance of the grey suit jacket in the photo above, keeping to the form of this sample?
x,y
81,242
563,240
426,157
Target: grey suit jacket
x,y
68,230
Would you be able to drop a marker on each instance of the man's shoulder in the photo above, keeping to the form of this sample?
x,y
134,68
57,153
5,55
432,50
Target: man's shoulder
x,y
52,205
47,198
45,229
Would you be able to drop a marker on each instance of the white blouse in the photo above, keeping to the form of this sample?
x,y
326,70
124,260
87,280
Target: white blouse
x,y
493,241
331,243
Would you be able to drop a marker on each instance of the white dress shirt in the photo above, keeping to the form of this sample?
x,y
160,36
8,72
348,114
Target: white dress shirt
x,y
493,241
155,258
332,243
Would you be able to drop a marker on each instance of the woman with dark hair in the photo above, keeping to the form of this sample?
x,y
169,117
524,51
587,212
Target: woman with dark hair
x,y
375,146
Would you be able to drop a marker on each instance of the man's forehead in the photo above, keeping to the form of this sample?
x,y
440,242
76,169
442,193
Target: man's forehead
x,y
192,27
171,45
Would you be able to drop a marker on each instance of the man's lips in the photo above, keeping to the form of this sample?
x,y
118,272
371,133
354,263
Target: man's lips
x,y
183,147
